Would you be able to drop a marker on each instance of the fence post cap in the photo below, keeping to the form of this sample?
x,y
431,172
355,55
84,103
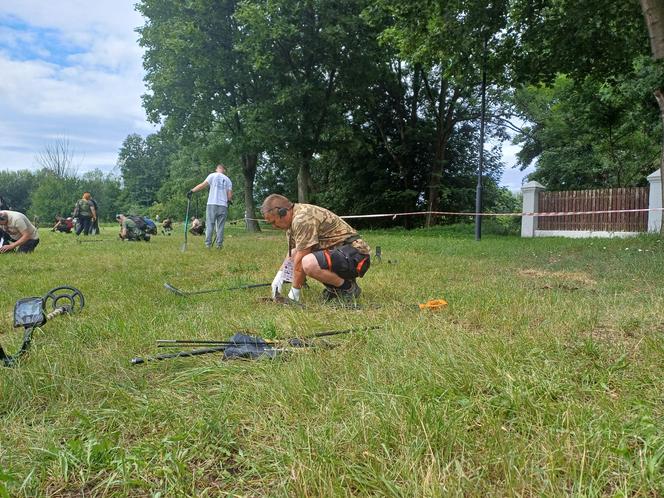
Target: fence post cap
x,y
532,185
655,175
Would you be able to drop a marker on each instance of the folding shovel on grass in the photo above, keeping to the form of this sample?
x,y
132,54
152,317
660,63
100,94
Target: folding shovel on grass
x,y
243,346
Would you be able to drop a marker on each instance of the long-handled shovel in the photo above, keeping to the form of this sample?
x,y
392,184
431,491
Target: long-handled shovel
x,y
186,225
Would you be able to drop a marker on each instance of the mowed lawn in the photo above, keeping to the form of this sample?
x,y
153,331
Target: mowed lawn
x,y
544,376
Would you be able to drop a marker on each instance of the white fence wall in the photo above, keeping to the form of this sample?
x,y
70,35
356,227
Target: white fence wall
x,y
531,192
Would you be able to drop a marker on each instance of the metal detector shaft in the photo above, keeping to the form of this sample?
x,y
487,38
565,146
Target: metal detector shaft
x,y
180,354
57,312
167,343
339,332
180,292
250,286
171,343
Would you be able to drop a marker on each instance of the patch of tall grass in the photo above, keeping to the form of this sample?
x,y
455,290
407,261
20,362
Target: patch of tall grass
x,y
543,376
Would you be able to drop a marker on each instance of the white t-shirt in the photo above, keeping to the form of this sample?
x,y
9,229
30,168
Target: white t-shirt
x,y
219,185
17,223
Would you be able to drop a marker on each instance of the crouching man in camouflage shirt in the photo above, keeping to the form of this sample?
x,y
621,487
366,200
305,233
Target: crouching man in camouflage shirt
x,y
320,245
129,230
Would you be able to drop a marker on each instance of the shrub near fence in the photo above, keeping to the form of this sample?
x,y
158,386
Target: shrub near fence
x,y
611,199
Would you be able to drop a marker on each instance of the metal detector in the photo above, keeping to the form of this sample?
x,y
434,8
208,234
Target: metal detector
x,y
32,312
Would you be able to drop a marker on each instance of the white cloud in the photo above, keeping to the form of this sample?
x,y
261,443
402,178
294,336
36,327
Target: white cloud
x,y
76,16
70,69
113,53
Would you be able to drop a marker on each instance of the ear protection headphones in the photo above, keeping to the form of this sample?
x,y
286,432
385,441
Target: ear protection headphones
x,y
281,211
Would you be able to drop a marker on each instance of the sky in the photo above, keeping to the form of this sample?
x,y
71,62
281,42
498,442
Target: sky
x,y
69,69
72,69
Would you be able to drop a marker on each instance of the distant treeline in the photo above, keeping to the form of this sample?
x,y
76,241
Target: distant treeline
x,y
45,194
371,106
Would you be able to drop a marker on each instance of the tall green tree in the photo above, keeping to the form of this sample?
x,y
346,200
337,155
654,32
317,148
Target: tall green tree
x,y
445,43
305,51
16,187
595,42
135,166
589,134
144,166
55,196
597,38
200,84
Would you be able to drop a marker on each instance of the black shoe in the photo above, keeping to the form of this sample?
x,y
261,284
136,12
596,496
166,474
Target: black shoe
x,y
333,293
352,293
330,293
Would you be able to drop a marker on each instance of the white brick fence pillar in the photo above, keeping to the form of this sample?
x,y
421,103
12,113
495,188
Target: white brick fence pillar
x,y
655,201
530,192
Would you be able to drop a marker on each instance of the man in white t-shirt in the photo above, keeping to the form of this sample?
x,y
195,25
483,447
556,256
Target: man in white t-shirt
x,y
220,196
17,233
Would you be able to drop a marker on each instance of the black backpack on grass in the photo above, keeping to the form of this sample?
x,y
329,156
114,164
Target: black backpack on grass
x,y
139,222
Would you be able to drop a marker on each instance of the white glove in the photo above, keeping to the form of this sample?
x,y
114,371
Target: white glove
x,y
277,283
294,294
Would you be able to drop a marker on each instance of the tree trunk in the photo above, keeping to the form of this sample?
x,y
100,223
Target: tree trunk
x,y
304,181
659,95
249,162
436,176
444,110
653,11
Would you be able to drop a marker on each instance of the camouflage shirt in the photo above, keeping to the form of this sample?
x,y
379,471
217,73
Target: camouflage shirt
x,y
316,228
132,229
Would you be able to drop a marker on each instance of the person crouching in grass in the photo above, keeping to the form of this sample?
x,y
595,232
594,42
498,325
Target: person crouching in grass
x,y
17,233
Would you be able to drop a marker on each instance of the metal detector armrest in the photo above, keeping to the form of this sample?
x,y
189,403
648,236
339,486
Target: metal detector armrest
x,y
29,312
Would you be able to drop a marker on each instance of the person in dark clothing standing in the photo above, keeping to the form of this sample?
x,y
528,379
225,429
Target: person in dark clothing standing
x,y
94,227
86,213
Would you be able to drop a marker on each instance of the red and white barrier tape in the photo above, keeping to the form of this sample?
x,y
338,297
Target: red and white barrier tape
x,y
452,213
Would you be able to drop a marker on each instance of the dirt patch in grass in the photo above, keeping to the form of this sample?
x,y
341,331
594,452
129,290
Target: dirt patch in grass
x,y
560,279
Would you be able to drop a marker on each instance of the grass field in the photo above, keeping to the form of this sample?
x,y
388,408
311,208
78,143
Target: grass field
x,y
543,377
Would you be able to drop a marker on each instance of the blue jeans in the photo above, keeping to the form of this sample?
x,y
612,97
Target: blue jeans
x,y
215,219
